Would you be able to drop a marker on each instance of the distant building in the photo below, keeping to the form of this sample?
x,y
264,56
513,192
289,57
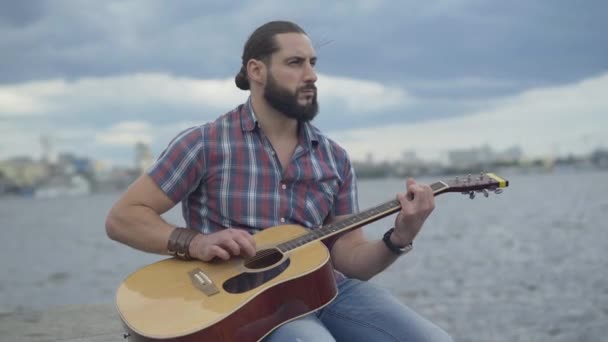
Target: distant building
x,y
410,165
483,155
68,163
23,171
474,156
599,158
410,157
512,154
49,156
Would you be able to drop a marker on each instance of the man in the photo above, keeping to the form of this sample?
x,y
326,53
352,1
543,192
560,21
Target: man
x,y
264,164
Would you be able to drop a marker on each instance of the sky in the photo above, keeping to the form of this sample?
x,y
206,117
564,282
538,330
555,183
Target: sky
x,y
97,77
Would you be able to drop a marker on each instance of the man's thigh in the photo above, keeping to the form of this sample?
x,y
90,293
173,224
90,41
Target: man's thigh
x,y
304,329
365,312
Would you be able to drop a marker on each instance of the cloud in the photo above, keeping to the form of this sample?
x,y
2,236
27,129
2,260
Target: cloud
x,y
563,119
468,83
371,39
125,91
126,133
143,92
361,96
14,103
105,116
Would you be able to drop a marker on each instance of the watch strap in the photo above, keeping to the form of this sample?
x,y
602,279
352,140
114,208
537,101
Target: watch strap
x,y
394,248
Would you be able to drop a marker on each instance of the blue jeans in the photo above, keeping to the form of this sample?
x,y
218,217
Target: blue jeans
x,y
361,312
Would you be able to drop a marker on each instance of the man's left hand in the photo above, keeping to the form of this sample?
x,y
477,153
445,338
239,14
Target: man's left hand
x,y
416,205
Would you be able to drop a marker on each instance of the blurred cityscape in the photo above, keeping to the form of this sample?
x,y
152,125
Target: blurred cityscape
x,y
67,174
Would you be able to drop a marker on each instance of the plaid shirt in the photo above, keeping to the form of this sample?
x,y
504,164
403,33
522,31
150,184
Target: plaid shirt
x,y
226,174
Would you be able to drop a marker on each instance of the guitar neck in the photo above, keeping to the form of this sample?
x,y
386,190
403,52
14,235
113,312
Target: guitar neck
x,y
467,185
355,221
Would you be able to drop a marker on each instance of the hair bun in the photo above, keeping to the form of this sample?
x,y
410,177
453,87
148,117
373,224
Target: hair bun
x,y
241,80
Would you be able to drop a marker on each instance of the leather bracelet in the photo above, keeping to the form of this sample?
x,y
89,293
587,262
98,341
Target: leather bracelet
x,y
394,248
179,242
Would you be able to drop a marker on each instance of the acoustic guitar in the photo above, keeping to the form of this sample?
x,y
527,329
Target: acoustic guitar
x,y
244,299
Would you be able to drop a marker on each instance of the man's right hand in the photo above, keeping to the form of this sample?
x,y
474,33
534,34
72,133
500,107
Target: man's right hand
x,y
223,244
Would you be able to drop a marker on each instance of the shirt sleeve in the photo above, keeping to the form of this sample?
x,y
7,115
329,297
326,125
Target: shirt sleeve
x,y
179,168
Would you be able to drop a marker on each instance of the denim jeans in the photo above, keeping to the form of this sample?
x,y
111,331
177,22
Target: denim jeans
x,y
361,312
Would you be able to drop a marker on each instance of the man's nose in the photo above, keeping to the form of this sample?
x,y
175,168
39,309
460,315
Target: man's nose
x,y
310,74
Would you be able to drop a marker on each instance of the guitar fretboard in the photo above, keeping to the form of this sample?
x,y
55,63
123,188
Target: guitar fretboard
x,y
355,221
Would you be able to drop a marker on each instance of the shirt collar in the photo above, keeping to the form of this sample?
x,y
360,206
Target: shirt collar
x,y
248,119
249,122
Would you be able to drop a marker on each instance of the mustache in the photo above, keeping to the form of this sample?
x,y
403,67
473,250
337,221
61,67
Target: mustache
x,y
308,87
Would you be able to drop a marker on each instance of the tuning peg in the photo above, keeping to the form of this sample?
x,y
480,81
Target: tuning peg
x,y
498,191
472,195
486,193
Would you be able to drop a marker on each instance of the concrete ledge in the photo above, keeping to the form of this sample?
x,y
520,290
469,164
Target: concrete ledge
x,y
90,323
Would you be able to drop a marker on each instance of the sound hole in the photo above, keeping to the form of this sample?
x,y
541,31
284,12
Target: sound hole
x,y
250,280
263,259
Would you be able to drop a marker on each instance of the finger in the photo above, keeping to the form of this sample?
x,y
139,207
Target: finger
x,y
422,192
231,246
410,184
247,243
247,246
403,199
217,251
427,198
430,196
246,236
407,207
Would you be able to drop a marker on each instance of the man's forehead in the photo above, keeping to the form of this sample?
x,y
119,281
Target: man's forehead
x,y
294,44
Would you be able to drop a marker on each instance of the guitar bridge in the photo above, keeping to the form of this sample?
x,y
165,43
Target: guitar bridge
x,y
202,282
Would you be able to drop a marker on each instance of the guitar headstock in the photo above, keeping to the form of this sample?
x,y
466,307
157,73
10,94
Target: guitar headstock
x,y
472,184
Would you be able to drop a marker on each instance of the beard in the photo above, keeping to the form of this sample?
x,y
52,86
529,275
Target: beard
x,y
286,102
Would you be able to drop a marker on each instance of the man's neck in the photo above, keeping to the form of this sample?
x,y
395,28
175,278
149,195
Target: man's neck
x,y
274,123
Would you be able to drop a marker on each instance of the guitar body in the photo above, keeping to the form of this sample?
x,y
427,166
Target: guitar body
x,y
235,300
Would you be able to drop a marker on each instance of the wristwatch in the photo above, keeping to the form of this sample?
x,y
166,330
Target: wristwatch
x,y
392,247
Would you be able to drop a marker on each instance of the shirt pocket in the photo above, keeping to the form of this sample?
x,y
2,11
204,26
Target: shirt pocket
x,y
319,201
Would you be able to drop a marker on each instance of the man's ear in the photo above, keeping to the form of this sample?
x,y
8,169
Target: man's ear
x,y
256,71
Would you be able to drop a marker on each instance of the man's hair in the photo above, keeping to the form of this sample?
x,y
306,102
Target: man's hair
x,y
261,44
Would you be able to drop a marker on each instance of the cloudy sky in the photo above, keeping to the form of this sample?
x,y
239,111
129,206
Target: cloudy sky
x,y
97,77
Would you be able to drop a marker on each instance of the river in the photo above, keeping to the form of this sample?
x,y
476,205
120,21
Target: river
x,y
526,265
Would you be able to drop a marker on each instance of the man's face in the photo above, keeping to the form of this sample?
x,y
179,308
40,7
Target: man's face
x,y
289,103
290,80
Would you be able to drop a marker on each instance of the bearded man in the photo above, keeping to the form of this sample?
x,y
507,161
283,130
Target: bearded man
x,y
263,164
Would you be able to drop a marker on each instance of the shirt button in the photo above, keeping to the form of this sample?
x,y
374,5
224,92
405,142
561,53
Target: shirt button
x,y
283,186
282,220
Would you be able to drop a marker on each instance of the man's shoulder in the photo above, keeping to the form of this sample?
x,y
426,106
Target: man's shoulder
x,y
210,128
230,118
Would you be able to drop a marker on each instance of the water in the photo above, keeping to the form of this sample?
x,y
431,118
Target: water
x,y
526,265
